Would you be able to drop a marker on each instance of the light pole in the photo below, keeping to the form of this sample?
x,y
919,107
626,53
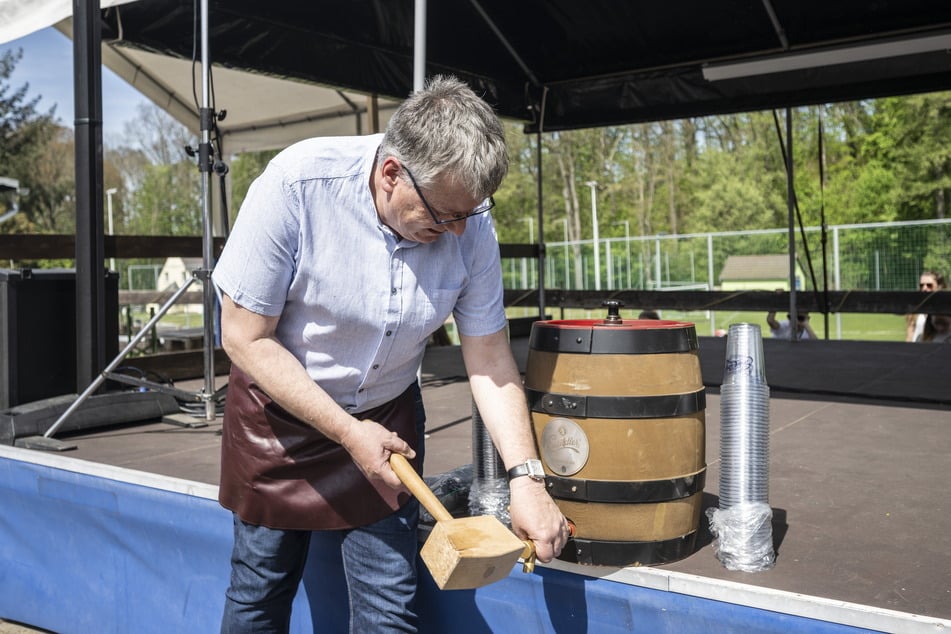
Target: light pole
x,y
531,228
627,247
109,194
565,220
531,240
594,224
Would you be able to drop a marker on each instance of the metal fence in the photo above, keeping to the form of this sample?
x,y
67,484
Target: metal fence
x,y
142,277
874,256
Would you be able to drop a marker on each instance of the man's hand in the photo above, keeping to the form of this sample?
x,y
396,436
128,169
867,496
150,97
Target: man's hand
x,y
536,517
370,445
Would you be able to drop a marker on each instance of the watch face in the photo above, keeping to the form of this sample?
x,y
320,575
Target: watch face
x,y
564,446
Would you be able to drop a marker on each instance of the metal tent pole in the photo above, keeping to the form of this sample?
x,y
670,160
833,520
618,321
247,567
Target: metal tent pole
x,y
90,253
205,161
791,204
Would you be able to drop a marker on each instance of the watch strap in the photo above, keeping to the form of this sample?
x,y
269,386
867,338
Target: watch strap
x,y
532,468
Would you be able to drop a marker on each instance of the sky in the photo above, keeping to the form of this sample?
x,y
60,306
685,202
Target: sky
x,y
47,66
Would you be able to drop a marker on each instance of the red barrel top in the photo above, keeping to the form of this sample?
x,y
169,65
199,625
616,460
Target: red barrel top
x,y
640,324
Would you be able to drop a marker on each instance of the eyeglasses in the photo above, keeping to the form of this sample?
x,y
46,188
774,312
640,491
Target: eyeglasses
x,y
486,205
927,286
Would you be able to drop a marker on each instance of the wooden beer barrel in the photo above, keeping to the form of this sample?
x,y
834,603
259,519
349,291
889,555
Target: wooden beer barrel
x,y
618,417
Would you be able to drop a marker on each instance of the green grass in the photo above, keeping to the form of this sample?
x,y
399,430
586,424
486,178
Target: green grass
x,y
853,326
176,317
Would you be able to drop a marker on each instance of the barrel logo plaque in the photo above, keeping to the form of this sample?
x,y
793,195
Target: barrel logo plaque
x,y
564,446
618,417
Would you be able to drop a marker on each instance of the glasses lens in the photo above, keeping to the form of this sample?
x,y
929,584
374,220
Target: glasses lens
x,y
927,286
486,205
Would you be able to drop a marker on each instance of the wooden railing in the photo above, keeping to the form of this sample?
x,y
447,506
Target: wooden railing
x,y
60,246
63,246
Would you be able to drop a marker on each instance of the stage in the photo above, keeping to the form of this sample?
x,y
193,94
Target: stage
x,y
125,528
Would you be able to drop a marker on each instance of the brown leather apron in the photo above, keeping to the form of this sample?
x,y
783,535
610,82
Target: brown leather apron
x,y
279,472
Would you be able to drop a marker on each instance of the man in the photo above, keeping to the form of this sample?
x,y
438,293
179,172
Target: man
x,y
783,329
347,255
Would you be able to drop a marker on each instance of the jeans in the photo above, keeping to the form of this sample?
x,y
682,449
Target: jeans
x,y
379,563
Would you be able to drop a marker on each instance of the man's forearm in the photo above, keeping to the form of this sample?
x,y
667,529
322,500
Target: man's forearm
x,y
497,389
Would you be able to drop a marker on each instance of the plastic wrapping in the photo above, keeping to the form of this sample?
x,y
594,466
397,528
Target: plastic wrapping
x,y
490,496
486,462
452,489
744,536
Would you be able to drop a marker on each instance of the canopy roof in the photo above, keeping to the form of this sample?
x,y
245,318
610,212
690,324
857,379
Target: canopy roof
x,y
591,63
558,64
263,111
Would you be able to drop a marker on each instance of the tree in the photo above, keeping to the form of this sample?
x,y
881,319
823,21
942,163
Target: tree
x,y
921,152
737,179
163,181
52,183
24,138
21,126
243,170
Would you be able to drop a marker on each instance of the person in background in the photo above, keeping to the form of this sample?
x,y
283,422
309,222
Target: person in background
x,y
929,282
648,314
937,329
782,329
348,253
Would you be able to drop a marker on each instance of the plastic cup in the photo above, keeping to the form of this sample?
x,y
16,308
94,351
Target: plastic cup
x,y
744,355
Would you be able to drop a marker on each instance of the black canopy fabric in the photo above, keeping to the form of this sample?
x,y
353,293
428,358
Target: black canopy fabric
x,y
584,63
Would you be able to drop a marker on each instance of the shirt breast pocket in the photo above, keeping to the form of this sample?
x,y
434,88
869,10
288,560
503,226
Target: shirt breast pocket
x,y
438,307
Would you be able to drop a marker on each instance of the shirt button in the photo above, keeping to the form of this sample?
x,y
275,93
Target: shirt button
x,y
393,291
360,391
376,366
388,333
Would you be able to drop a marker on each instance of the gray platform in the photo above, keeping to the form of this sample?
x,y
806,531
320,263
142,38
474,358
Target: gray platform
x,y
859,465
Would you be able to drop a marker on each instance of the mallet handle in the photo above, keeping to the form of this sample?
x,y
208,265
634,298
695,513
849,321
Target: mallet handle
x,y
419,488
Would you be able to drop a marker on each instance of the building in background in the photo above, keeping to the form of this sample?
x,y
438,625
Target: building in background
x,y
758,272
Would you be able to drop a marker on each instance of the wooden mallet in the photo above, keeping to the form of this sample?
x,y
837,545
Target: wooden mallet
x,y
466,552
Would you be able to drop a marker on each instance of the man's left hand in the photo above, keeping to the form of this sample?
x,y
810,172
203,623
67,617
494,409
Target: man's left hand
x,y
536,517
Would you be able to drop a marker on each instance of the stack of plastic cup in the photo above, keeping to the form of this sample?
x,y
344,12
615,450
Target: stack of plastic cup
x,y
742,524
489,491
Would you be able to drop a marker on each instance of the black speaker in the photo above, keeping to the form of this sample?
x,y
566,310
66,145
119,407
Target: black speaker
x,y
38,333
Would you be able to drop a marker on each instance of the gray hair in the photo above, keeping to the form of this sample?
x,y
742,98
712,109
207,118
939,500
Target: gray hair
x,y
445,130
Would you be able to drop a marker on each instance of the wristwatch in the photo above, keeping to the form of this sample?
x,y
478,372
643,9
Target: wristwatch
x,y
531,468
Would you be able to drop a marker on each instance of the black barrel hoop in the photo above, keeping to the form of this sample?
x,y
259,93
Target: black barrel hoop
x,y
625,491
610,553
575,406
613,340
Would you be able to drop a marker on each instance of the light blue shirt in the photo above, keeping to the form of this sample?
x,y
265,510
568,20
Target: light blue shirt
x,y
357,303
